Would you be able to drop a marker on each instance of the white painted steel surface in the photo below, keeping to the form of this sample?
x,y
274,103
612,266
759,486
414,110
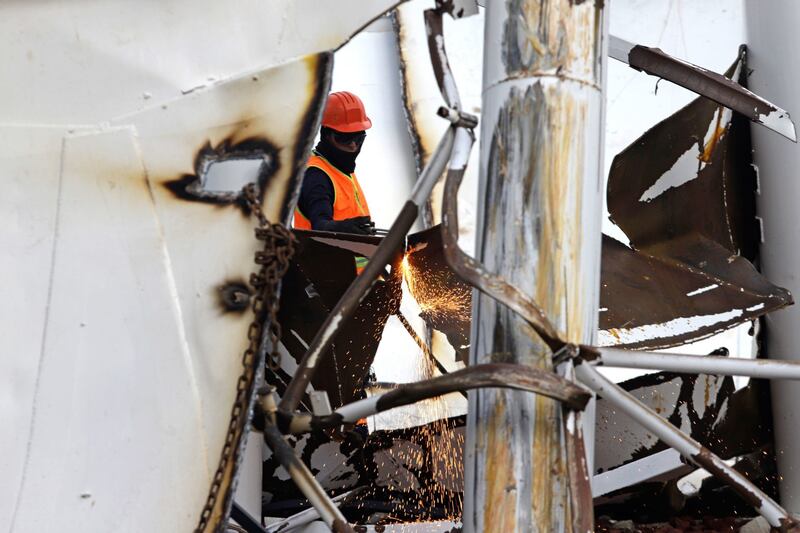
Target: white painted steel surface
x,y
119,368
86,61
699,364
772,36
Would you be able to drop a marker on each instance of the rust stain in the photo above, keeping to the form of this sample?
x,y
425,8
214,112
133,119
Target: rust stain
x,y
548,468
558,42
719,131
500,503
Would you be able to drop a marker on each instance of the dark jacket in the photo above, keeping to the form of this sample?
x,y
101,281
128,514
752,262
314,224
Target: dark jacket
x,y
317,194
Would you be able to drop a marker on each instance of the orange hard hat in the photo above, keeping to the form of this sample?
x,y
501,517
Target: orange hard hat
x,y
345,112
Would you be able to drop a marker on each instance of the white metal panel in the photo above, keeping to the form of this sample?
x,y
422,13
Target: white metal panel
x,y
116,435
90,60
211,244
131,400
30,162
463,40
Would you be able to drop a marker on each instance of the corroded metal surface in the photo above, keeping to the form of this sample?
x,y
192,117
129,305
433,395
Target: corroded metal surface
x,y
719,88
692,289
684,193
538,228
690,173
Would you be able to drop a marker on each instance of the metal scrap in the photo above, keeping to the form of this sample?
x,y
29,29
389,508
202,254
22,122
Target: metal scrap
x,y
706,83
684,195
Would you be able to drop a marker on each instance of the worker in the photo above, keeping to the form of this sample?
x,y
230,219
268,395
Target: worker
x,y
331,198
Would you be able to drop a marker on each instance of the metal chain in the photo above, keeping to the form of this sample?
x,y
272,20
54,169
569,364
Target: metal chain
x,y
273,260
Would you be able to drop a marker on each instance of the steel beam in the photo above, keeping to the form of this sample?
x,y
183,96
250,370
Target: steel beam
x,y
538,228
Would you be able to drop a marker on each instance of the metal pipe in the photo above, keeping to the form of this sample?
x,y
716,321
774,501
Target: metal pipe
x,y
700,364
539,216
360,286
305,480
441,67
685,445
497,375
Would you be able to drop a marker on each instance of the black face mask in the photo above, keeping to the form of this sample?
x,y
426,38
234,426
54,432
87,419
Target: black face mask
x,y
344,161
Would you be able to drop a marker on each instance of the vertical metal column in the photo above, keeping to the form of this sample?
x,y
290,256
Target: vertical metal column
x,y
538,227
772,32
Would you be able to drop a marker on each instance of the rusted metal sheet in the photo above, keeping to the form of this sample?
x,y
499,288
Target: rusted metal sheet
x,y
684,193
691,172
721,89
695,289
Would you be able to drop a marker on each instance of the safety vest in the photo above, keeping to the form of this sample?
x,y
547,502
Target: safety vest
x,y
348,198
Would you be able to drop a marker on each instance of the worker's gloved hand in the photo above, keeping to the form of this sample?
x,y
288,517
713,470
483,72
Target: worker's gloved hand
x,y
360,225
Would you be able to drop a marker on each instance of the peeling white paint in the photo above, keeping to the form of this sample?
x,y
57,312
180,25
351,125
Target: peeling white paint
x,y
780,121
701,290
677,326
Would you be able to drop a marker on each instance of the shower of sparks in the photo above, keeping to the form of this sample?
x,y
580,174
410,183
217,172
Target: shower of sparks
x,y
433,454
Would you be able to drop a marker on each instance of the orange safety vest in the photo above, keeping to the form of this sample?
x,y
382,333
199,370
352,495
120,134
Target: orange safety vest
x,y
348,198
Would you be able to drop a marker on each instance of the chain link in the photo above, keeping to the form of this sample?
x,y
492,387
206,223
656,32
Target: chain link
x,y
273,260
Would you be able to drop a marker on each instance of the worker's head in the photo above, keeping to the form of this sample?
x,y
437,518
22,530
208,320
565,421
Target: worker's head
x,y
345,121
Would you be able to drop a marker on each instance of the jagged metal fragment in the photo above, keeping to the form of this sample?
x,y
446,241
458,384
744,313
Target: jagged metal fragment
x,y
684,195
691,289
704,82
